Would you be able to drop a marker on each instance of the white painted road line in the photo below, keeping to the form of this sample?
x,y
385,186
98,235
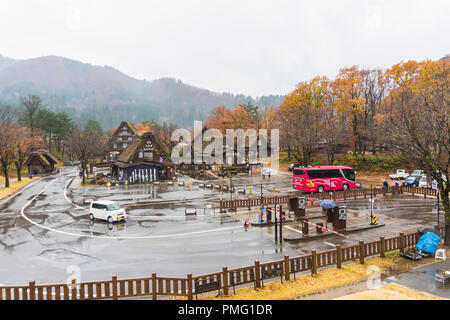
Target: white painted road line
x,y
22,212
294,229
330,244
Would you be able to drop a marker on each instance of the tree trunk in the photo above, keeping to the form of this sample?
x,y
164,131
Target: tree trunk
x,y
18,169
6,174
446,206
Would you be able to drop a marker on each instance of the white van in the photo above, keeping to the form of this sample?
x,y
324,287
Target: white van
x,y
107,210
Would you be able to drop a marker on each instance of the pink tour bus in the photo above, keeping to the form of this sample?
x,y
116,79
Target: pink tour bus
x,y
323,178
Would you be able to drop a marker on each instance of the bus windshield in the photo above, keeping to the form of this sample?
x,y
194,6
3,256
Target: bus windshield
x,y
349,174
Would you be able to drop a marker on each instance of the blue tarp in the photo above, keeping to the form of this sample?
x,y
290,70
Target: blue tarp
x,y
428,242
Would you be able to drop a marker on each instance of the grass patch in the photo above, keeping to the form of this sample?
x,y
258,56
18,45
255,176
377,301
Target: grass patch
x,y
14,186
390,292
306,284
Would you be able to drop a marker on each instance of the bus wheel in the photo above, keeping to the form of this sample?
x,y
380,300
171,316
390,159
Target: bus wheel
x,y
320,189
345,187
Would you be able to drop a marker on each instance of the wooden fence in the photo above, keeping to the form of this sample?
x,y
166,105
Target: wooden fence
x,y
349,194
224,280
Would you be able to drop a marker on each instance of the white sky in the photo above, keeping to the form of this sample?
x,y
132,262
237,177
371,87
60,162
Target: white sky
x,y
255,47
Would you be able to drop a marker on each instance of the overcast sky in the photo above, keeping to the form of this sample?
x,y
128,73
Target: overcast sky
x,y
255,47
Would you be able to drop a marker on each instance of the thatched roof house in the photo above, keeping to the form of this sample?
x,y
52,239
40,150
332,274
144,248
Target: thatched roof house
x,y
40,162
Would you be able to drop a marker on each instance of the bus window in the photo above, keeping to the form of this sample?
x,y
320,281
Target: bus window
x,y
349,174
298,172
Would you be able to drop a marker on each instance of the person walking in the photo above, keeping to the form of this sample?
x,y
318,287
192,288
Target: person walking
x,y
246,224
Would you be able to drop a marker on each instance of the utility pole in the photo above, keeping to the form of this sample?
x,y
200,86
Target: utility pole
x,y
276,222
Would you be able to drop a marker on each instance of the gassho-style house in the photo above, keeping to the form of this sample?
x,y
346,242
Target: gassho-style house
x,y
138,158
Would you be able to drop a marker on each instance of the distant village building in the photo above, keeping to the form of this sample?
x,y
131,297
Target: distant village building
x,y
124,135
143,161
40,162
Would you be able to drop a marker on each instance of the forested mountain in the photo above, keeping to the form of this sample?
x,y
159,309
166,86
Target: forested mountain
x,y
109,96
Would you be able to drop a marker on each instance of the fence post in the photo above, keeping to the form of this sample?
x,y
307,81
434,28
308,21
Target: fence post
x,y
400,240
257,274
313,263
114,287
361,251
286,268
382,247
189,284
154,290
221,206
225,280
338,256
32,290
74,289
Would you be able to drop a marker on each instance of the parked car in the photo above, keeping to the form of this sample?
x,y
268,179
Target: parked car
x,y
417,173
411,181
76,163
399,175
423,182
107,210
68,163
293,165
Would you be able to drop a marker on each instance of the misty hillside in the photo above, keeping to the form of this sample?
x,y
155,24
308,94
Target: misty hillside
x,y
109,96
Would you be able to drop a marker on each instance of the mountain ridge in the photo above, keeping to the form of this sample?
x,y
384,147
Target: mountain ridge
x,y
87,91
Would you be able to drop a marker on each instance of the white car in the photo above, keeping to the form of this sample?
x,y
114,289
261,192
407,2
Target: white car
x,y
417,173
107,210
423,183
400,174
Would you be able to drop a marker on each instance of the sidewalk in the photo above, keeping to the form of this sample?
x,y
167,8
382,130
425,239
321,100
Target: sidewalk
x,y
422,279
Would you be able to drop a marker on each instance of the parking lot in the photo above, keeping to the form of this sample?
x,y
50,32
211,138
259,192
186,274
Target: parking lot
x,y
46,229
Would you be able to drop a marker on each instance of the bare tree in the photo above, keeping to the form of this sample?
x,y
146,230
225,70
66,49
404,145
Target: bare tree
x,y
87,145
7,140
33,104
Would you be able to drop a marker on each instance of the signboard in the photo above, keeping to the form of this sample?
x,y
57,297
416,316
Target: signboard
x,y
277,211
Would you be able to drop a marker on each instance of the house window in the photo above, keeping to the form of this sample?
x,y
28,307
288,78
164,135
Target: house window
x,y
119,138
130,138
125,145
115,145
125,132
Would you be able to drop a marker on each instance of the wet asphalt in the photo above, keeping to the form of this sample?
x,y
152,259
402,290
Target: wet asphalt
x,y
44,235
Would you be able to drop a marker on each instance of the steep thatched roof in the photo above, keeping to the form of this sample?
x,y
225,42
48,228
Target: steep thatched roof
x,y
129,154
45,157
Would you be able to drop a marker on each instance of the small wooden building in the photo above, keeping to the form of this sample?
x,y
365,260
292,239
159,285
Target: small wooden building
x,y
40,162
143,161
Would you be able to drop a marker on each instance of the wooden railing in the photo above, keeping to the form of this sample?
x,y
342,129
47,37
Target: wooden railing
x,y
256,274
349,194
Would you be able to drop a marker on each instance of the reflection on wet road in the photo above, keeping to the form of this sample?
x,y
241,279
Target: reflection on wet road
x,y
158,236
